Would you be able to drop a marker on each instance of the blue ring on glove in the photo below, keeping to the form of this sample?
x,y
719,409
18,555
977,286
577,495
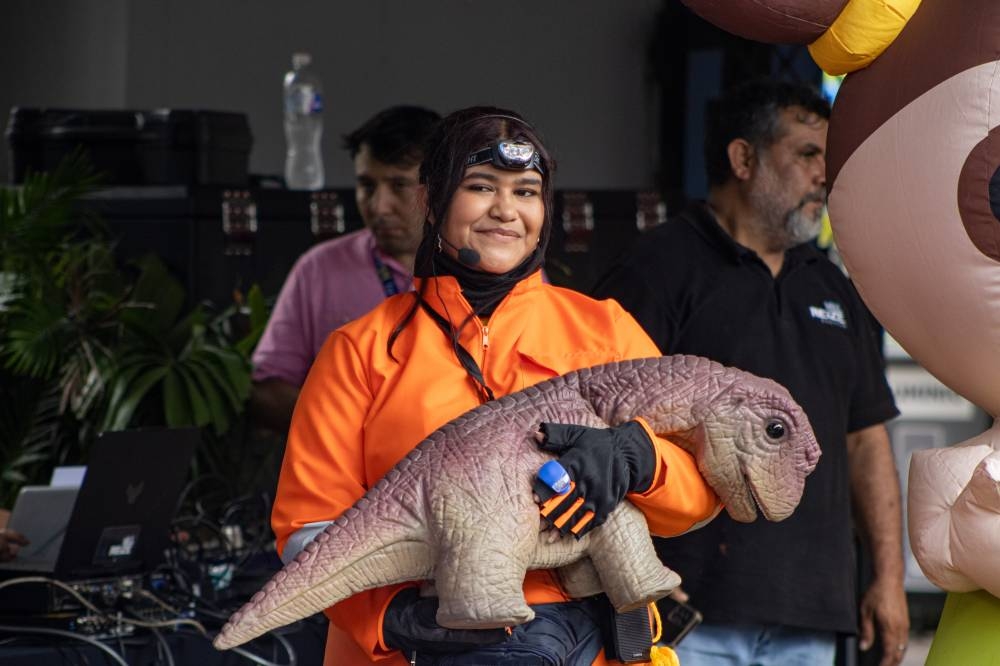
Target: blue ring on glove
x,y
554,476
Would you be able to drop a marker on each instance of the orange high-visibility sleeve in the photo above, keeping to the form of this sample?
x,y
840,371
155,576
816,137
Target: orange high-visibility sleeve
x,y
678,499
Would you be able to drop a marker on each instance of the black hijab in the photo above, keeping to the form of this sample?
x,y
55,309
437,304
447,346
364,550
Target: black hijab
x,y
482,290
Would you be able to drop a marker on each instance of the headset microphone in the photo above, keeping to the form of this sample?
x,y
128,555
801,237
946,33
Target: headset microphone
x,y
466,255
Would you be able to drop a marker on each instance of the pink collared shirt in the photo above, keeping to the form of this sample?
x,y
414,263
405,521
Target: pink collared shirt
x,y
331,284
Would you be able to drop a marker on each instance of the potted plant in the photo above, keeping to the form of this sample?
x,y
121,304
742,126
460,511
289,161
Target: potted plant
x,y
88,345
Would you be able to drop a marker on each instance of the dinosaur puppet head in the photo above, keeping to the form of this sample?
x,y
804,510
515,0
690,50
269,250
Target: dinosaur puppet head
x,y
755,447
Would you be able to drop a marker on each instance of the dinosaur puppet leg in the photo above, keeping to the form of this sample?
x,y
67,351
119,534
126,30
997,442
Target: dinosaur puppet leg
x,y
623,555
580,579
473,598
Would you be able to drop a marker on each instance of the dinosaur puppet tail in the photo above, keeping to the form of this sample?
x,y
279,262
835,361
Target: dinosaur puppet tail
x,y
379,541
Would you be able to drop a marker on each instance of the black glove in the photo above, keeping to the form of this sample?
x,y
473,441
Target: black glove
x,y
603,463
409,624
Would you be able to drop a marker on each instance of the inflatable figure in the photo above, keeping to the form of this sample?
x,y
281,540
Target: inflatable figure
x,y
913,167
913,157
774,22
913,163
843,35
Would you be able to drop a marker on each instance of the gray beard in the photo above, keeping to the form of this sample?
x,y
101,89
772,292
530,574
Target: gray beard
x,y
783,228
785,231
800,228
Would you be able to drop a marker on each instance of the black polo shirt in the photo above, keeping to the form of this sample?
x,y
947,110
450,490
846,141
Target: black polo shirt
x,y
696,291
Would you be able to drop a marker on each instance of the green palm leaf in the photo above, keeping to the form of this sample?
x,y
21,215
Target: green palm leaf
x,y
202,359
212,394
195,398
176,404
37,335
129,392
86,346
156,299
236,369
38,213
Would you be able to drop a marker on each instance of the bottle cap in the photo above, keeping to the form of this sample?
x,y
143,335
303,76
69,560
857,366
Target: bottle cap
x,y
301,59
554,476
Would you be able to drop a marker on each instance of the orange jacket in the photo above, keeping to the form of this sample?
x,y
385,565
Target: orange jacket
x,y
360,412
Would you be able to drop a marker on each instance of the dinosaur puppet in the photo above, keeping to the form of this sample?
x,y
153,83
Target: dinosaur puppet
x,y
459,508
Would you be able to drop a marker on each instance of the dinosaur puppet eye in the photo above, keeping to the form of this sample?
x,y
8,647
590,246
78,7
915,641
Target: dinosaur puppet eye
x,y
775,429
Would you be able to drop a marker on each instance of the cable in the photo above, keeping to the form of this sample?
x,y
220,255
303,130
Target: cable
x,y
23,580
255,659
262,529
66,634
152,626
70,655
212,613
191,485
264,662
166,647
193,522
159,602
165,623
94,609
292,660
156,632
288,647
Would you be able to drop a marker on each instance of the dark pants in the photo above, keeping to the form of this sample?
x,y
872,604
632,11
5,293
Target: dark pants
x,y
565,634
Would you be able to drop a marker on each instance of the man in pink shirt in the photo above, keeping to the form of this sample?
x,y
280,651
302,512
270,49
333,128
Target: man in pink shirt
x,y
341,279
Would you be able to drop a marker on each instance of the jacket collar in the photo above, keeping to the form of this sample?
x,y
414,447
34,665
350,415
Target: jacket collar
x,y
444,291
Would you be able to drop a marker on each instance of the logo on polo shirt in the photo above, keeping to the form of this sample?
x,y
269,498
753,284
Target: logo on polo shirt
x,y
831,313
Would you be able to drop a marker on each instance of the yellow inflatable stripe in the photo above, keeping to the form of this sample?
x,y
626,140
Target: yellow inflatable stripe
x,y
860,33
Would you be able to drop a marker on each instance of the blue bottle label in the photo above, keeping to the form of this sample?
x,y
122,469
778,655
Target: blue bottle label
x,y
317,103
304,101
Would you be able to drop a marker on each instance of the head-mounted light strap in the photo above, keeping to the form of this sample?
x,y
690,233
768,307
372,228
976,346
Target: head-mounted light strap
x,y
509,155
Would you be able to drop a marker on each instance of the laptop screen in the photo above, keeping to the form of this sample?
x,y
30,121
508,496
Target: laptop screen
x,y
122,515
41,514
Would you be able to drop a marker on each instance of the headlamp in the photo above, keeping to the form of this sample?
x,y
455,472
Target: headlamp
x,y
509,155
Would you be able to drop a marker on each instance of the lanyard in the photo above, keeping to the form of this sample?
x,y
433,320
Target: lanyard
x,y
385,275
464,357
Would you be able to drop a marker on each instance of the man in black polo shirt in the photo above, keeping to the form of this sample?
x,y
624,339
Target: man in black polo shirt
x,y
736,280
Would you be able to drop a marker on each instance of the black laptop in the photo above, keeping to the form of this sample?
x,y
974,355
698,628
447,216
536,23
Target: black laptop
x,y
121,518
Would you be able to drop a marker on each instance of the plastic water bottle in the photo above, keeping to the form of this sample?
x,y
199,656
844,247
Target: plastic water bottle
x,y
303,93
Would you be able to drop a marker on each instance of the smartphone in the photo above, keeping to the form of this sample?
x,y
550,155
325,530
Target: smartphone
x,y
678,619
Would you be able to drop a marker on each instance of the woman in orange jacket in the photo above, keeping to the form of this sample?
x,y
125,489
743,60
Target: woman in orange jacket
x,y
482,324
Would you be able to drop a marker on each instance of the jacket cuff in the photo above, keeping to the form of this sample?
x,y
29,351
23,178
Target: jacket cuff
x,y
659,472
382,647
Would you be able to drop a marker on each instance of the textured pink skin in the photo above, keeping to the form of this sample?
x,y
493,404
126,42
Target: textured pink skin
x,y
459,509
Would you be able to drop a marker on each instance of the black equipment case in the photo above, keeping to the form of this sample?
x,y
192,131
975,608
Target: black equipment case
x,y
219,240
160,147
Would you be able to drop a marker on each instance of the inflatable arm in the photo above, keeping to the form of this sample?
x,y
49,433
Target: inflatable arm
x,y
954,513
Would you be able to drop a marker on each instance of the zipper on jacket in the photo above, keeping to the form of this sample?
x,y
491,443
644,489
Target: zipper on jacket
x,y
486,346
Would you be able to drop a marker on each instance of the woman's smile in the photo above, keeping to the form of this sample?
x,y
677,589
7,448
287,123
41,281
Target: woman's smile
x,y
499,234
498,213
